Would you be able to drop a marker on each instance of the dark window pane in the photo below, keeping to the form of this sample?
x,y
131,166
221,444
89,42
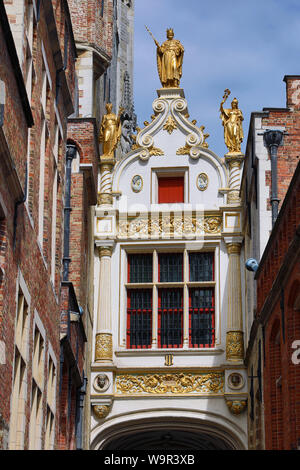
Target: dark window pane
x,y
201,266
201,320
139,319
140,268
170,315
171,267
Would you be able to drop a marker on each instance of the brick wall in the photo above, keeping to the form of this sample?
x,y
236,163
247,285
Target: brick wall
x,y
289,152
278,283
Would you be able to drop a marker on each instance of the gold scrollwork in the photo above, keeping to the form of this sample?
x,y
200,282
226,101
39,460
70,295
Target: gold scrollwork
x,y
168,226
175,383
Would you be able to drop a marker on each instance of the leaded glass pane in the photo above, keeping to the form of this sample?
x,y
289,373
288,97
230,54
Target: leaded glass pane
x,y
140,268
201,267
171,267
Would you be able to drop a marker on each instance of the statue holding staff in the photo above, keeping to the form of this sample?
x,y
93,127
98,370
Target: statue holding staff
x,y
169,60
232,121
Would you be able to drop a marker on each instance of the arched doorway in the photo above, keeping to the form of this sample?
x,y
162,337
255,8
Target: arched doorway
x,y
167,434
166,439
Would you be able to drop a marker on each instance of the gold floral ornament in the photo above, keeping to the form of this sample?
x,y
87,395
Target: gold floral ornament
x,y
170,125
110,131
232,122
169,60
175,384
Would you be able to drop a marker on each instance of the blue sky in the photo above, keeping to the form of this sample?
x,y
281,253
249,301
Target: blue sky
x,y
244,45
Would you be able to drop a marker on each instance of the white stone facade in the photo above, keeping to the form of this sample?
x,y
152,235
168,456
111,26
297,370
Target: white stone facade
x,y
156,387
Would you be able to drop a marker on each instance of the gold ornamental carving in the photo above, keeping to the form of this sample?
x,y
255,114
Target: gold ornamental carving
x,y
234,248
174,384
105,251
110,131
232,122
170,125
104,198
169,60
184,150
236,407
235,346
103,347
170,226
101,411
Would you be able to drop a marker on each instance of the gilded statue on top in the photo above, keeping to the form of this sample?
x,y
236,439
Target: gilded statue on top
x,y
232,121
169,60
110,131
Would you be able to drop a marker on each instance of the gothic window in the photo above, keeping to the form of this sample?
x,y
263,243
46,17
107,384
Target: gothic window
x,y
167,294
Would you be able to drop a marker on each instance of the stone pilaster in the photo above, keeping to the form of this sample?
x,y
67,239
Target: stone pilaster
x,y
103,342
234,334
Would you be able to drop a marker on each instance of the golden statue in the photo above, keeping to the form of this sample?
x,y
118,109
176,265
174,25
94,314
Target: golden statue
x,y
110,130
232,121
169,60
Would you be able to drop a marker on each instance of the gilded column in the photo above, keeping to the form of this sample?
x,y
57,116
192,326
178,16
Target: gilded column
x,y
234,335
103,344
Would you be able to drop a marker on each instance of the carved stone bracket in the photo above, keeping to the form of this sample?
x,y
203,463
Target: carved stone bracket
x,y
236,407
101,411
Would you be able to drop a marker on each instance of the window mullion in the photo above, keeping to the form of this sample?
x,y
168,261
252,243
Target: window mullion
x,y
185,300
155,301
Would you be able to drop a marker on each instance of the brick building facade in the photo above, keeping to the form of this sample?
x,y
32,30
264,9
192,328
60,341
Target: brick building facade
x,y
271,217
48,186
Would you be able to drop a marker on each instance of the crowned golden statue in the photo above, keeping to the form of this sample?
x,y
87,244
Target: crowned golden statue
x,y
232,121
169,60
110,130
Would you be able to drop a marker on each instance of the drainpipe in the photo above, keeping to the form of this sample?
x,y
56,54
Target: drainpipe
x,y
81,392
70,154
273,139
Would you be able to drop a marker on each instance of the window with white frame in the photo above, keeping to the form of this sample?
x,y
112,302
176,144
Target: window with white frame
x,y
51,405
171,297
19,390
37,390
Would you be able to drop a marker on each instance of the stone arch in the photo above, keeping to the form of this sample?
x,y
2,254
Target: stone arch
x,y
167,430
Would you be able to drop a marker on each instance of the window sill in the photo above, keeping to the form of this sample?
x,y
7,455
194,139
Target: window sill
x,y
179,352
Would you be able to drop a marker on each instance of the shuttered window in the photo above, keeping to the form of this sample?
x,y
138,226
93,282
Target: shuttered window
x,y
170,189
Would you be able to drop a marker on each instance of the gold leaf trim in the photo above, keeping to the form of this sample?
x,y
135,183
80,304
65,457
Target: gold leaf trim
x,y
170,125
177,383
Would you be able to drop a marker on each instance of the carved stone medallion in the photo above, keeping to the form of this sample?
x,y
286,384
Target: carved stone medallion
x,y
202,181
137,183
